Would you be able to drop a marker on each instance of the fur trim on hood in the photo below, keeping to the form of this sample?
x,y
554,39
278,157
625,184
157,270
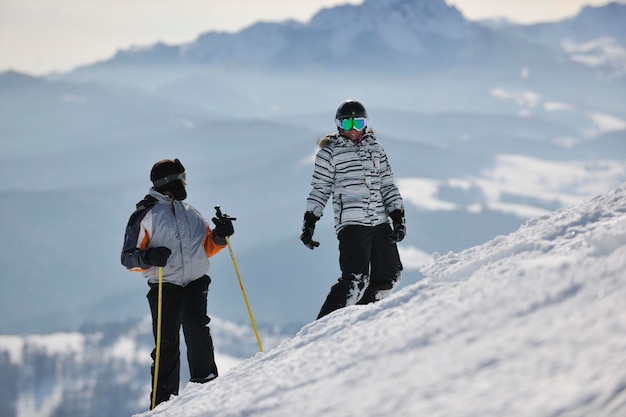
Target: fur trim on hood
x,y
331,137
327,140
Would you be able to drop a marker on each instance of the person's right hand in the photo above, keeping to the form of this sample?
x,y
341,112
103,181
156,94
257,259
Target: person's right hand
x,y
157,256
308,228
223,227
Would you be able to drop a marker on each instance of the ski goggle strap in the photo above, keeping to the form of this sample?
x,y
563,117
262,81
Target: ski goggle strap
x,y
182,177
357,123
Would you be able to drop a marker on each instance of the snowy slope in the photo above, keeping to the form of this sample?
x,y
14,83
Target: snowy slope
x,y
529,324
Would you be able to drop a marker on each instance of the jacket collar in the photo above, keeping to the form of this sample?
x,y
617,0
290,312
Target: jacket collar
x,y
367,138
161,198
336,138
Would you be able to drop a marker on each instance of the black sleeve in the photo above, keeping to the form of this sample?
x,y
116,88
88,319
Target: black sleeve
x,y
132,256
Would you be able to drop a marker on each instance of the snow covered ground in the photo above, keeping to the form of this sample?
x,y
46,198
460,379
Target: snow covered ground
x,y
530,324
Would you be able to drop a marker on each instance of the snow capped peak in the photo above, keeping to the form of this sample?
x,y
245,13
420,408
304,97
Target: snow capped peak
x,y
611,10
420,16
399,25
414,8
609,19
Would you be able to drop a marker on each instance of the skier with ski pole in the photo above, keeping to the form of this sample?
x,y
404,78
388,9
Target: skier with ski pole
x,y
170,242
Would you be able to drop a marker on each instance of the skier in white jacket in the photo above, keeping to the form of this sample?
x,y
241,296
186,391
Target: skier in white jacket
x,y
353,167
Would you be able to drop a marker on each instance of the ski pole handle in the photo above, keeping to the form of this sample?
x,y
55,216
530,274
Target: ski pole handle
x,y
218,213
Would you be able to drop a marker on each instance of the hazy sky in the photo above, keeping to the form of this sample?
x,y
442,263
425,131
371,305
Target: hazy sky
x,y
40,36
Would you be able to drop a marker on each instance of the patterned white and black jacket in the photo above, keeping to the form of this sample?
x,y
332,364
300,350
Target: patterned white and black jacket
x,y
358,176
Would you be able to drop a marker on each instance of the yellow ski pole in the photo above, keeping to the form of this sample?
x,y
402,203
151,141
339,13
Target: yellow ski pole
x,y
245,297
157,358
243,291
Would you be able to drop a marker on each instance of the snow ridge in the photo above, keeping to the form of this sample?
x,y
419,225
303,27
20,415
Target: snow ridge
x,y
538,235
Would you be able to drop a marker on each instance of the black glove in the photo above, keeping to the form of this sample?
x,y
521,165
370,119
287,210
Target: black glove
x,y
307,230
399,225
223,227
157,256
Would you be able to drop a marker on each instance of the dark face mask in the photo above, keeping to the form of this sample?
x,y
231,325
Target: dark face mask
x,y
178,191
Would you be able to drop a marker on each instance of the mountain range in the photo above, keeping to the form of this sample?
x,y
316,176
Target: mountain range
x,y
485,127
400,35
403,46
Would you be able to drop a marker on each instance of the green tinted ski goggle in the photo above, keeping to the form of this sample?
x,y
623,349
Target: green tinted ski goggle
x,y
357,123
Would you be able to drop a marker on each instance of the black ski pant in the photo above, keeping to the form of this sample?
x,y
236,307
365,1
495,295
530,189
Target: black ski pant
x,y
184,306
370,267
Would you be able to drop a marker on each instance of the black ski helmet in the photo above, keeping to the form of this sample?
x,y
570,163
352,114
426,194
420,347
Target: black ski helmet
x,y
169,175
349,109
